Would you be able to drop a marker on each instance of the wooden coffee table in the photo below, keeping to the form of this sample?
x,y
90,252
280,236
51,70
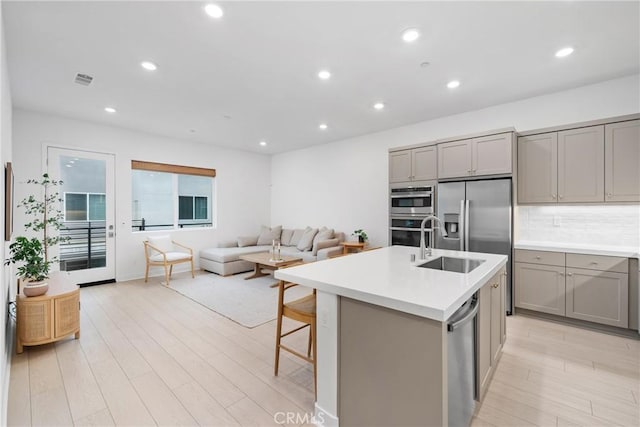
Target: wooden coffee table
x,y
263,261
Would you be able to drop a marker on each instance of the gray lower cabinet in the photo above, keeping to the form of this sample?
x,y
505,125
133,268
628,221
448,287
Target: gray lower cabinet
x,y
587,287
490,329
540,287
598,296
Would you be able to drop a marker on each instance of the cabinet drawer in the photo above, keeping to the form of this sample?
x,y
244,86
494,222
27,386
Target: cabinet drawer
x,y
598,262
540,257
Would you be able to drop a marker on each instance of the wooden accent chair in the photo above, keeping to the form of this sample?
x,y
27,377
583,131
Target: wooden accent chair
x,y
302,310
160,251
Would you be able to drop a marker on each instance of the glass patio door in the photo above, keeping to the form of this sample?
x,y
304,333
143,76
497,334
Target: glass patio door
x,y
87,204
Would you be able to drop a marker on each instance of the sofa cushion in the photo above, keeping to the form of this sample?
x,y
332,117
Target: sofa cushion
x,y
247,241
268,235
306,242
171,256
162,243
285,238
322,244
227,244
295,238
323,234
231,254
306,256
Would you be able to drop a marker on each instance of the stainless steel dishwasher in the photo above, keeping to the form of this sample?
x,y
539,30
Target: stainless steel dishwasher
x,y
461,338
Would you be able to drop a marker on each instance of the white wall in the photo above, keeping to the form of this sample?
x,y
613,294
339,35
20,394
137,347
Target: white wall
x,y
243,193
344,184
6,283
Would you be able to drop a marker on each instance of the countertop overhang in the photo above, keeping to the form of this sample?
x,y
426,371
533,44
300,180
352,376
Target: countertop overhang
x,y
386,277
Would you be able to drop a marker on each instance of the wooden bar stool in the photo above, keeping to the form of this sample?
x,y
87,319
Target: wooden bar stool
x,y
302,310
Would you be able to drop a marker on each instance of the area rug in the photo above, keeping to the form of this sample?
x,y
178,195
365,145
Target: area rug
x,y
250,303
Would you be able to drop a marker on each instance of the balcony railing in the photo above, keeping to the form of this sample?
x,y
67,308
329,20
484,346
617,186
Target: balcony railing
x,y
86,246
142,225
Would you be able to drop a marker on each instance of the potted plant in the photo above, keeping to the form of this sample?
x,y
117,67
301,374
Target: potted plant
x,y
33,253
362,235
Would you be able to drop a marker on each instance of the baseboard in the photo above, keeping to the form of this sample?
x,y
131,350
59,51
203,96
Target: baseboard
x,y
324,418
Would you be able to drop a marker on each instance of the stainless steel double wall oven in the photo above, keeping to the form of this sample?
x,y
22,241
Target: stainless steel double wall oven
x,y
409,203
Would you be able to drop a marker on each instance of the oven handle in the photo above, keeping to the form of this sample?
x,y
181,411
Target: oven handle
x,y
407,229
411,195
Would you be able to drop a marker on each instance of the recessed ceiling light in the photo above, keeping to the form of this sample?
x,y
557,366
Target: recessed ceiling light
x,y
192,130
68,166
378,105
110,110
565,51
453,84
410,35
149,66
214,11
324,74
263,143
323,126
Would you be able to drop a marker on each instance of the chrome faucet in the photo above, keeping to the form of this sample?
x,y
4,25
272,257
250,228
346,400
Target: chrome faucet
x,y
424,251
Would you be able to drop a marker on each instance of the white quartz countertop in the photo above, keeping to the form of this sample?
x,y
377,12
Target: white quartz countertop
x,y
387,278
620,251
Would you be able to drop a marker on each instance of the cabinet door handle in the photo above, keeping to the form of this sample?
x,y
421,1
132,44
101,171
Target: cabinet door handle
x,y
553,196
474,171
495,285
609,195
469,171
537,257
561,196
593,262
562,274
569,274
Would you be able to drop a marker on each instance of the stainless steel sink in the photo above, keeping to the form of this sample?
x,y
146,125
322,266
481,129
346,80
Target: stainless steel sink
x,y
456,265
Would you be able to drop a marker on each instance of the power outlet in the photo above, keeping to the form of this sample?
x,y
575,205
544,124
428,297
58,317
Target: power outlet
x,y
557,221
324,318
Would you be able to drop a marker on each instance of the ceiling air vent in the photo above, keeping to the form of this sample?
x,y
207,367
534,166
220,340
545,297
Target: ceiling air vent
x,y
83,79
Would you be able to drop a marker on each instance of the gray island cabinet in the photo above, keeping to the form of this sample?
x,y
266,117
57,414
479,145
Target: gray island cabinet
x,y
384,351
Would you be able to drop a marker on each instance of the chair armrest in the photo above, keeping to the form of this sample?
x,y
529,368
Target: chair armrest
x,y
149,245
329,252
183,246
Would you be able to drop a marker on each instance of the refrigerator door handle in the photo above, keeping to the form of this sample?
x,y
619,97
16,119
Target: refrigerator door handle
x,y
466,225
463,223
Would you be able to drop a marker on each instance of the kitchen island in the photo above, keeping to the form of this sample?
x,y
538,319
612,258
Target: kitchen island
x,y
382,333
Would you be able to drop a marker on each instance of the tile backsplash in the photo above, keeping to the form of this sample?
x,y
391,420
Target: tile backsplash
x,y
607,225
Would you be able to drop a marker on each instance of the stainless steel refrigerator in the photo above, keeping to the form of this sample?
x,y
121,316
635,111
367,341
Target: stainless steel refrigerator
x,y
477,216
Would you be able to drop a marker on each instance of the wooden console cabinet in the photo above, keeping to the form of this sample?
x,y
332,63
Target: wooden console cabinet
x,y
49,317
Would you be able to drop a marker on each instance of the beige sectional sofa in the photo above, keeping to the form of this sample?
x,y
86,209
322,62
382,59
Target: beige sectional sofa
x,y
310,244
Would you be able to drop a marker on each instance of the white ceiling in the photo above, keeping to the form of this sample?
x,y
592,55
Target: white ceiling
x,y
258,65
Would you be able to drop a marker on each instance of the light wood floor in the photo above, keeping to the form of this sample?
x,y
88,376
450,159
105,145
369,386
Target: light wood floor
x,y
147,355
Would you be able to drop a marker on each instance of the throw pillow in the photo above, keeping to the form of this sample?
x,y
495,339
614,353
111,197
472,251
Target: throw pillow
x,y
162,243
324,234
323,244
306,242
297,235
268,235
247,241
285,239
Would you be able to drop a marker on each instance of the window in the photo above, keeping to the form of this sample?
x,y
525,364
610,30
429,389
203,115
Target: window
x,y
168,197
84,207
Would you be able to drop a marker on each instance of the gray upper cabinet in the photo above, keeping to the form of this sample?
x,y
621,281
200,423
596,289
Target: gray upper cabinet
x,y
400,166
581,165
491,155
454,159
538,168
486,155
622,162
418,164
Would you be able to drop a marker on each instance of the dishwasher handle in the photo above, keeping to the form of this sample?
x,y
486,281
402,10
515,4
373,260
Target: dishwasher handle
x,y
467,318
